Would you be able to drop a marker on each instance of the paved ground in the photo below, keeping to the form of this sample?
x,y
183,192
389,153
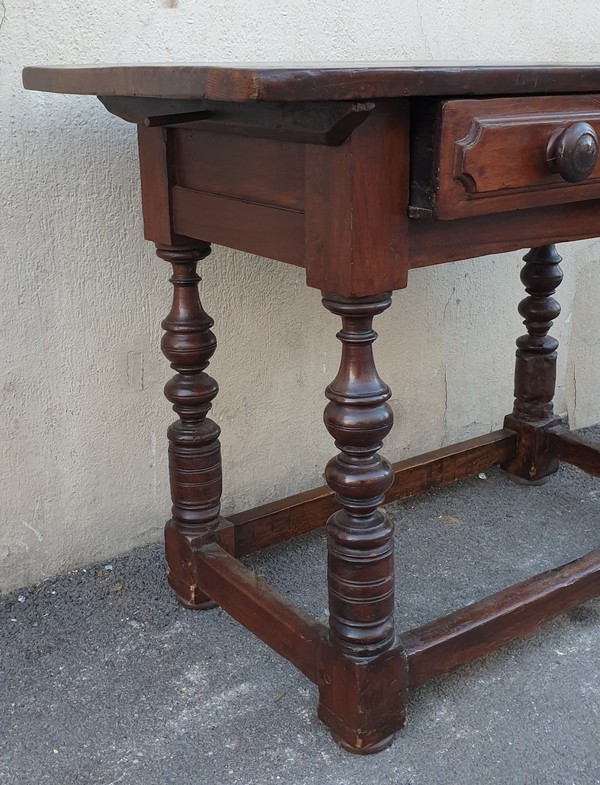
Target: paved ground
x,y
105,680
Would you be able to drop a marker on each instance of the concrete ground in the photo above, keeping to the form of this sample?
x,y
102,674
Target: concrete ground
x,y
105,680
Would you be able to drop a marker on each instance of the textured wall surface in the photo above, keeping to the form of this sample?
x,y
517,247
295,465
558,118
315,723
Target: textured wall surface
x,y
82,417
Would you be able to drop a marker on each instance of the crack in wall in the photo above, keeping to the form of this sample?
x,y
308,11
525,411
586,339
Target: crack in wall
x,y
2,13
452,293
423,29
574,396
445,441
448,301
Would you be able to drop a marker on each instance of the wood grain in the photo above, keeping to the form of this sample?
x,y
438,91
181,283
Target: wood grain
x,y
535,368
156,178
490,155
479,629
261,171
194,449
437,242
262,610
448,464
315,81
356,201
363,703
571,448
360,546
274,232
307,122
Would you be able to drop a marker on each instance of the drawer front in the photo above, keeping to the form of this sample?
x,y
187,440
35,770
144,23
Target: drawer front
x,y
481,156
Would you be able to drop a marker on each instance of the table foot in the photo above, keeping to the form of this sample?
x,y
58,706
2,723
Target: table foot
x,y
202,606
182,570
522,481
370,750
364,703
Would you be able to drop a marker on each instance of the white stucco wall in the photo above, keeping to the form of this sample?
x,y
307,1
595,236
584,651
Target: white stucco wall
x,y
82,417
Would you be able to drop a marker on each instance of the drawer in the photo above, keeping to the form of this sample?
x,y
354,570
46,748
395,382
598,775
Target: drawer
x,y
479,156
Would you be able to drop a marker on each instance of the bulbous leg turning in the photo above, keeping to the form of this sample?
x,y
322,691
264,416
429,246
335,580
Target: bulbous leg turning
x,y
194,450
360,543
535,369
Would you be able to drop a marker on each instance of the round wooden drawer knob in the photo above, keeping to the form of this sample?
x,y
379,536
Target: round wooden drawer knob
x,y
573,152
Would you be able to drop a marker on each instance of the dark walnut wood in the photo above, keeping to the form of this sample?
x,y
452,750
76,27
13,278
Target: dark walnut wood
x,y
361,556
315,82
535,371
359,174
354,193
436,242
360,546
535,367
481,628
249,599
316,198
573,152
488,156
194,450
248,226
570,448
308,122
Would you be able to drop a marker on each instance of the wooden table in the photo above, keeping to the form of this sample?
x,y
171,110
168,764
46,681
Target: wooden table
x,y
359,174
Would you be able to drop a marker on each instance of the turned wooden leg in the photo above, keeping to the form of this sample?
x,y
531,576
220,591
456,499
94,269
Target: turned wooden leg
x,y
535,369
194,450
362,697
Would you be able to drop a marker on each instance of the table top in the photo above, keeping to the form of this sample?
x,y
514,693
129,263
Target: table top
x,y
314,82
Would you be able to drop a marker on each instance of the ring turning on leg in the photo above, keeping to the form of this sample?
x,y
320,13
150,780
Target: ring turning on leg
x,y
194,450
535,368
361,554
362,699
